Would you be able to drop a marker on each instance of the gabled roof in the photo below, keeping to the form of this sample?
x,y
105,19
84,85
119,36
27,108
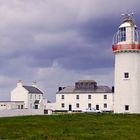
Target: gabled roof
x,y
32,89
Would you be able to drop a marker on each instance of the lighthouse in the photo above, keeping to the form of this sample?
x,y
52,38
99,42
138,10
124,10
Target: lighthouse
x,y
126,49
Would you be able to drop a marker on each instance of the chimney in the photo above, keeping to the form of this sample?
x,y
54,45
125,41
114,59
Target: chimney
x,y
34,84
19,83
60,88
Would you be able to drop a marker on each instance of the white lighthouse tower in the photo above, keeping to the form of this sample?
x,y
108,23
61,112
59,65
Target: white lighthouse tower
x,y
126,48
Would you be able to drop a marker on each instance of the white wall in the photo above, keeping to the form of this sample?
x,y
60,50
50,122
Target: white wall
x,y
127,91
49,106
97,99
6,105
20,94
23,112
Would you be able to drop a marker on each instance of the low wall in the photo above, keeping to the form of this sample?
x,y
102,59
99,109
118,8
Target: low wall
x,y
20,112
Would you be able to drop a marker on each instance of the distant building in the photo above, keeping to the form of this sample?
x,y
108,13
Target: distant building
x,y
48,105
9,105
85,94
31,95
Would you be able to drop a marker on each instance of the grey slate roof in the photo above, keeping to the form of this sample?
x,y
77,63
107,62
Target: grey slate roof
x,y
72,90
86,81
32,89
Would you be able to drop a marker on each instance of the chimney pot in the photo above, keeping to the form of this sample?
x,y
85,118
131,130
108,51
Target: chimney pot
x,y
34,84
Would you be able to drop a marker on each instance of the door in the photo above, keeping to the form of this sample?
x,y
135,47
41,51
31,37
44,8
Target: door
x,y
70,107
97,107
36,106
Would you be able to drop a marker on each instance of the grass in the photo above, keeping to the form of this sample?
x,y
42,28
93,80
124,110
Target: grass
x,y
71,127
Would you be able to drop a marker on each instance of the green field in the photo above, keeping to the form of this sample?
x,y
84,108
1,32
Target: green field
x,y
71,127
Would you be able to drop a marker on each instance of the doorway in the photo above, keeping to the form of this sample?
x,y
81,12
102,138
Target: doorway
x,y
70,107
36,106
97,107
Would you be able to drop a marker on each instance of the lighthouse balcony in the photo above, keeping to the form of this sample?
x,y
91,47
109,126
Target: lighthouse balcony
x,y
125,47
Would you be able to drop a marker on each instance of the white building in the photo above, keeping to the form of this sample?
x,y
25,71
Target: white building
x,y
85,94
31,95
126,48
48,105
10,105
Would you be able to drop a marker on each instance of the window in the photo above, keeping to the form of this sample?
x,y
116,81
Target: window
x,y
39,96
77,105
30,105
21,106
126,107
62,105
35,96
62,97
136,35
18,106
89,105
126,75
77,96
89,96
122,34
105,105
31,96
105,96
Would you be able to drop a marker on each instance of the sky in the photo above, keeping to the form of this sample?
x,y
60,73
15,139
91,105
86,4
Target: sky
x,y
58,42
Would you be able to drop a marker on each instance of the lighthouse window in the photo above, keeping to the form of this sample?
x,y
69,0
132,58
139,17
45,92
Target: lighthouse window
x,y
122,34
126,75
126,107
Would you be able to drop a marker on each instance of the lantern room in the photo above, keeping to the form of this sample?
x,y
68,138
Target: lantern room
x,y
127,36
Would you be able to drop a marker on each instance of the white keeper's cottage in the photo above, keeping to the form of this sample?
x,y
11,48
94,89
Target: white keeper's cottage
x,y
31,95
85,94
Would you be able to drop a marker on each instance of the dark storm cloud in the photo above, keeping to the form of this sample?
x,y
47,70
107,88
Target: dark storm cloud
x,y
75,57
81,51
94,51
91,52
100,29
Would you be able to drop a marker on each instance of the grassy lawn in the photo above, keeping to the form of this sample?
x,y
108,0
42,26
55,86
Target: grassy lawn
x,y
71,127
